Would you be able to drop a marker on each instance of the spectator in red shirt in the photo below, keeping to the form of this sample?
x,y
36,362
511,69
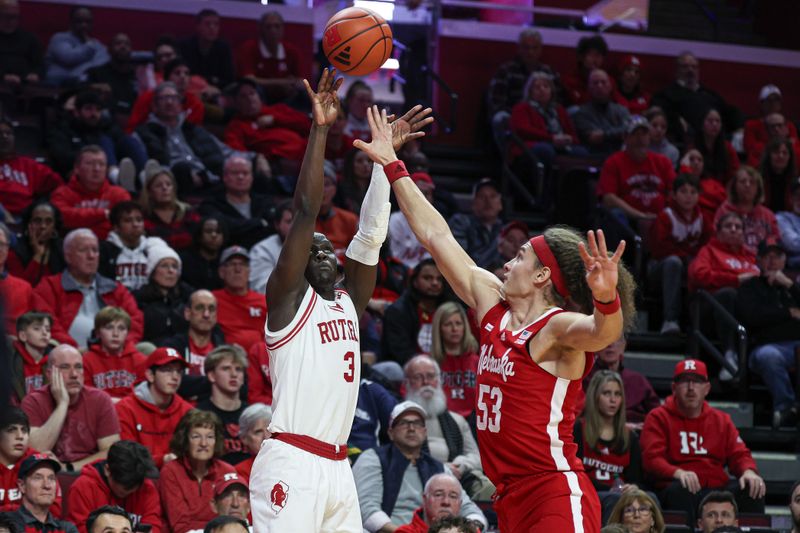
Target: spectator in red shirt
x,y
757,131
253,424
629,91
119,480
455,349
232,497
720,159
241,311
78,423
38,253
73,297
591,54
675,238
259,382
687,446
86,200
30,352
164,215
441,498
187,483
745,198
176,71
112,364
635,182
150,415
21,178
16,294
270,60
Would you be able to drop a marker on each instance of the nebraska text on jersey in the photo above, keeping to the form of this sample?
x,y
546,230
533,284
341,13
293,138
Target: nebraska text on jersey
x,y
488,363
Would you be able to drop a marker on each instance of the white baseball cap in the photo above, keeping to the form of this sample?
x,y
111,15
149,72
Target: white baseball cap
x,y
769,90
404,407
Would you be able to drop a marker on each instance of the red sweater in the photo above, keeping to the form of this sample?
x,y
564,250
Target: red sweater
x,y
185,501
192,106
705,445
18,298
286,138
644,185
417,524
81,208
759,223
531,126
115,374
33,371
718,265
636,105
10,496
250,61
64,305
241,318
339,226
756,138
672,234
91,491
22,179
142,421
458,382
259,383
245,467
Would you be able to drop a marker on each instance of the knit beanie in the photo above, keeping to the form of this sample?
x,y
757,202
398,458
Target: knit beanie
x,y
155,255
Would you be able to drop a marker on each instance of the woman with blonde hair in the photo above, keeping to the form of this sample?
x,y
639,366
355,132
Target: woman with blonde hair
x,y
455,349
745,198
639,512
164,215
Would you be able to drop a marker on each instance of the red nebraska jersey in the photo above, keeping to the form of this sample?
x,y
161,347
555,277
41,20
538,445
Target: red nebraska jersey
x,y
525,415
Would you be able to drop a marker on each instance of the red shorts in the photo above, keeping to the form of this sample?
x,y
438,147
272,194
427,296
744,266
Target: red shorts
x,y
563,502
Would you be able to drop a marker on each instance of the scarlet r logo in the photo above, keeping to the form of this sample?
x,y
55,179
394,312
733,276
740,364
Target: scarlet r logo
x,y
332,36
279,496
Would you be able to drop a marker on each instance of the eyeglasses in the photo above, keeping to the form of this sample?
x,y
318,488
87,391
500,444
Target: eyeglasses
x,y
413,423
643,510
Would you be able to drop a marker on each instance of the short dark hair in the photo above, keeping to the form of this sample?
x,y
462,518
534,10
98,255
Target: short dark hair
x,y
718,496
279,210
179,444
129,463
32,317
13,415
222,521
106,509
463,525
726,216
595,42
415,272
684,179
172,65
123,208
88,149
88,97
206,13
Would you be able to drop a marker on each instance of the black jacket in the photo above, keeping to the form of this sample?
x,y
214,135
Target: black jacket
x,y
243,231
679,102
163,315
764,311
401,326
216,66
202,143
123,83
66,140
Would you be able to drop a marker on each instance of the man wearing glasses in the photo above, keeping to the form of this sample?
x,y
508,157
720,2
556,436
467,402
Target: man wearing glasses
x,y
686,446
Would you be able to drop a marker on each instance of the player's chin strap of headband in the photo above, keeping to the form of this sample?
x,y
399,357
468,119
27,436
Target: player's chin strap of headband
x,y
547,259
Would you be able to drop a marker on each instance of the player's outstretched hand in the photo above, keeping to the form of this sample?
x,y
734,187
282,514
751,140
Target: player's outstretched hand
x,y
601,270
380,148
409,126
325,102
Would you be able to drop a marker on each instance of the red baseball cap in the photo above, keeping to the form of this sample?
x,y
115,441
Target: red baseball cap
x,y
630,61
691,366
228,480
424,177
164,356
515,224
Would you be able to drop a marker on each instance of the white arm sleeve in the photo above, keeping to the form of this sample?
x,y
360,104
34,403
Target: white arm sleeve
x,y
373,223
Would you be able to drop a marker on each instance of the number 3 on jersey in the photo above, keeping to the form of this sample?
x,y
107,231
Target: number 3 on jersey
x,y
489,402
350,359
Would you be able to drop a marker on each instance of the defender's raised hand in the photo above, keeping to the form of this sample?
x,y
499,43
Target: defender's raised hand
x,y
601,270
325,102
380,149
407,127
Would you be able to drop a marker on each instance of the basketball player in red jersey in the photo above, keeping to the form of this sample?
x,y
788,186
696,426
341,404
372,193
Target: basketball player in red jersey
x,y
533,354
301,479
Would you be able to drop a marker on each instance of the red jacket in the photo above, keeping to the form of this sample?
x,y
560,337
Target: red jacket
x,y
759,223
115,374
705,445
718,265
756,138
259,383
22,179
245,467
142,421
241,318
531,126
63,304
186,502
672,234
286,138
192,106
636,105
417,524
91,491
10,496
81,208
18,298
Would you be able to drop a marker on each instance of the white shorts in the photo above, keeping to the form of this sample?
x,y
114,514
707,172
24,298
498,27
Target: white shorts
x,y
295,491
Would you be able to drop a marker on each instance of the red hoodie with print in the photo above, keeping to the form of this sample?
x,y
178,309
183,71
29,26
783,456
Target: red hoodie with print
x,y
718,265
82,208
706,445
10,496
115,374
22,179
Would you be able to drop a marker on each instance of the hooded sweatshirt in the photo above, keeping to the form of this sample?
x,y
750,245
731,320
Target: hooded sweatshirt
x,y
10,496
141,420
91,490
185,500
718,265
115,374
82,208
127,265
705,445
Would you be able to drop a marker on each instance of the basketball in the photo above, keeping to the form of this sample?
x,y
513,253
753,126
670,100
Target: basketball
x,y
357,41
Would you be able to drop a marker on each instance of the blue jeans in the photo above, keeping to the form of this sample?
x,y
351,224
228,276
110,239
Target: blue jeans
x,y
773,362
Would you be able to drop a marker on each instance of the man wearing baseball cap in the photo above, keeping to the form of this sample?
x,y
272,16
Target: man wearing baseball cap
x,y
477,231
390,479
241,312
769,307
757,131
232,497
38,484
687,446
150,415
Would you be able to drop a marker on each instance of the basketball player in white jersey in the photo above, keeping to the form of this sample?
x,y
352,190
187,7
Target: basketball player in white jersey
x,y
301,480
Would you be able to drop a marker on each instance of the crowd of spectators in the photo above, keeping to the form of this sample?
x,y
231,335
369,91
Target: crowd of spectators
x,y
134,256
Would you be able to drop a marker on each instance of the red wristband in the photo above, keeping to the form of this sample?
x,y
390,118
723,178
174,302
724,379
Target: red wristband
x,y
607,308
395,170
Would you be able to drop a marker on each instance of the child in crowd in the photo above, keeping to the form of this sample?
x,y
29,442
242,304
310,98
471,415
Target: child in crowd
x,y
30,352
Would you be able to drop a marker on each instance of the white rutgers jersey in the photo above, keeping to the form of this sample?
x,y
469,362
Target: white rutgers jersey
x,y
315,366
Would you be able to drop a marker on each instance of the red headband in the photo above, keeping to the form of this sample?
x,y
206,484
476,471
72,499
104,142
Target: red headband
x,y
547,259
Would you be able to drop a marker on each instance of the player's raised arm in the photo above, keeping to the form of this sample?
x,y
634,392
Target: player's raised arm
x,y
478,288
287,283
373,224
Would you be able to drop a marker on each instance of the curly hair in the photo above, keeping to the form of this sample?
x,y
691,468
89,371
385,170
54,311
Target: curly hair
x,y
563,241
195,418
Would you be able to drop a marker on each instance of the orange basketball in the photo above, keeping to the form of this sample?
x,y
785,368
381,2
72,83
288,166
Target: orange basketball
x,y
357,41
